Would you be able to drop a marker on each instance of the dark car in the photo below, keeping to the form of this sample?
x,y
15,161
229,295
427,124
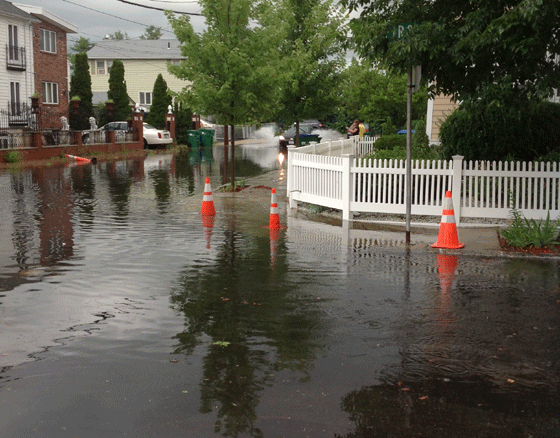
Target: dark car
x,y
289,137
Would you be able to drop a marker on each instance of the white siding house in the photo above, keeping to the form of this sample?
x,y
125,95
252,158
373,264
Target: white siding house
x,y
17,82
143,60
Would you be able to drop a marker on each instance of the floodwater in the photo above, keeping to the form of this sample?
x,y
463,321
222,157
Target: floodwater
x,y
123,312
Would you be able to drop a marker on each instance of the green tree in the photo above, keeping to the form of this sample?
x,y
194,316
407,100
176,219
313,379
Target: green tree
x,y
161,99
117,92
152,33
80,86
312,56
465,46
371,94
82,45
119,35
229,64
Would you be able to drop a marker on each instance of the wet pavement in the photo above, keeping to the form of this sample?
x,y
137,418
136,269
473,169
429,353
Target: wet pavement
x,y
123,312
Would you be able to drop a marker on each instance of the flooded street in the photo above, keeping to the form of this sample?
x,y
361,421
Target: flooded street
x,y
124,313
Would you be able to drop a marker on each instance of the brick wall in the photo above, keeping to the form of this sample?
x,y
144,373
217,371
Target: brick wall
x,y
51,67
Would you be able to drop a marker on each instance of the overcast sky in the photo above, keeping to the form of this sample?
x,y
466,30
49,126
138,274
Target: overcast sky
x,y
97,18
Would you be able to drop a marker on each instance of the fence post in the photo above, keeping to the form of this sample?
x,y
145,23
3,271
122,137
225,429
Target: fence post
x,y
290,180
347,160
456,186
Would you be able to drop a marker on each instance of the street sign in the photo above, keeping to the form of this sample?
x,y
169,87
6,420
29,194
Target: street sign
x,y
399,31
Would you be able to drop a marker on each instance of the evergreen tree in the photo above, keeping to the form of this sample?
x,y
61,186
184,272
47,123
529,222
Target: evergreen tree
x,y
80,86
161,99
182,123
117,92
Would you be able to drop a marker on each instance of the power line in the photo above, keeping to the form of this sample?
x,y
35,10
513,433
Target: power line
x,y
121,18
158,9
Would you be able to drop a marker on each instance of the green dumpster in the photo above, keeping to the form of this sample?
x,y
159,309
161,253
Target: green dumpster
x,y
206,137
193,138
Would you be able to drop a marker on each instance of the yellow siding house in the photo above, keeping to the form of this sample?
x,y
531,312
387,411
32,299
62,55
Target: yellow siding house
x,y
143,60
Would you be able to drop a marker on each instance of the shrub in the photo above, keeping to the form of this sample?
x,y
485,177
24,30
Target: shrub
x,y
515,129
389,142
12,157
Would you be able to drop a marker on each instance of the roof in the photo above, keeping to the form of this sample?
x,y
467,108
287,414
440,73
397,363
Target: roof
x,y
9,9
101,97
44,15
136,49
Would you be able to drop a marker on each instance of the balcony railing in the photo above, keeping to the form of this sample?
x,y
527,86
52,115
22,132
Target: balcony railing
x,y
15,58
16,114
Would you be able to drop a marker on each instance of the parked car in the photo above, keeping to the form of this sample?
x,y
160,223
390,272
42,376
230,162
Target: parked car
x,y
152,136
289,137
155,137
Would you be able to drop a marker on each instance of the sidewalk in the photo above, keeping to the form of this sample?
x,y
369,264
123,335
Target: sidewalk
x,y
478,239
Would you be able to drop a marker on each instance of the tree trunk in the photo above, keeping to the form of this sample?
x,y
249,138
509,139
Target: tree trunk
x,y
232,156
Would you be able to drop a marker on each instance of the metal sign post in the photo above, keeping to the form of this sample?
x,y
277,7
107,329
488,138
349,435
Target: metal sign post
x,y
408,155
414,75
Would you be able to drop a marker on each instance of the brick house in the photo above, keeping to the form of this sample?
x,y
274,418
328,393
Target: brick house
x,y
50,62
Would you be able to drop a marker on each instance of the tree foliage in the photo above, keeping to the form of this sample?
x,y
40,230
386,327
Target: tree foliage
x,y
119,35
152,33
82,45
227,64
465,46
371,94
485,129
117,92
161,99
80,86
312,58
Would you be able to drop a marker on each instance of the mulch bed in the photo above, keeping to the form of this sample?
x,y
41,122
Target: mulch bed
x,y
555,249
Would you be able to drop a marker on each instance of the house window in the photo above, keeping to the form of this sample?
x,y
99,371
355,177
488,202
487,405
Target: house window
x,y
50,92
15,106
146,98
100,67
13,43
48,41
109,65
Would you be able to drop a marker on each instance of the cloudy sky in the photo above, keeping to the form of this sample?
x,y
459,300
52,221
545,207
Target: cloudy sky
x,y
97,18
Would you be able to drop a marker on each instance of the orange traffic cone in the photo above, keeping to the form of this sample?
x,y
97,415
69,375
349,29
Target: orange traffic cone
x,y
207,225
447,237
84,160
274,217
208,200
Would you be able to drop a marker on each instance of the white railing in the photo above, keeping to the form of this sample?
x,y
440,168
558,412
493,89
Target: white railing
x,y
480,189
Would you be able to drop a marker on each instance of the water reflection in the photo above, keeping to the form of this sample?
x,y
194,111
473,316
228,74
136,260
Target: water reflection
x,y
346,332
254,324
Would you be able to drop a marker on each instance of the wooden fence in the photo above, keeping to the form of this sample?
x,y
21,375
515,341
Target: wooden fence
x,y
332,176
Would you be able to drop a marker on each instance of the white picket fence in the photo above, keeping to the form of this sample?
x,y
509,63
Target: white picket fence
x,y
330,175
